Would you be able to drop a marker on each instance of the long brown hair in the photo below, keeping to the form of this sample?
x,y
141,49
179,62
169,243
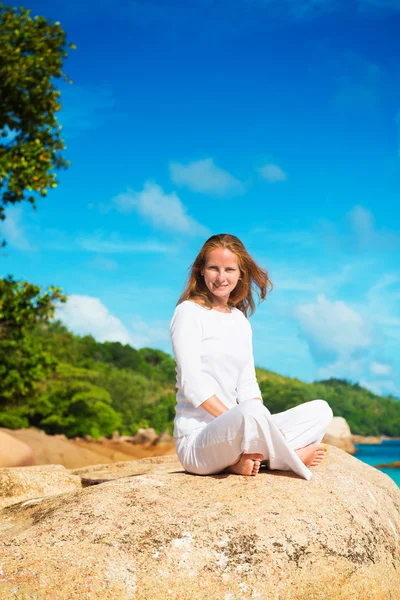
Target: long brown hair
x,y
253,278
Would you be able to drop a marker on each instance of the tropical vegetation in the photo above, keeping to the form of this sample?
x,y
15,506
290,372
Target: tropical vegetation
x,y
60,382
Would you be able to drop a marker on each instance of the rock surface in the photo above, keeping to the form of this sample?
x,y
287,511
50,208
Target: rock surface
x,y
338,434
150,531
26,483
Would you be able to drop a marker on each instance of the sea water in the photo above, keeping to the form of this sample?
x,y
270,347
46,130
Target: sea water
x,y
386,452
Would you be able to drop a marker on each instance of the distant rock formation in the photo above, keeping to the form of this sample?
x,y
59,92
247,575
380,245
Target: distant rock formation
x,y
36,447
13,452
338,434
52,449
144,436
366,439
146,530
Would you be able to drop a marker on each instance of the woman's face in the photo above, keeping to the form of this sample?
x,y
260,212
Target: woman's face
x,y
221,273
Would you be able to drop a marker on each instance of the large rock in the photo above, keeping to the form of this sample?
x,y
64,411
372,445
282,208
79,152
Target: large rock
x,y
392,465
76,453
338,434
51,449
144,436
151,531
163,438
26,483
13,452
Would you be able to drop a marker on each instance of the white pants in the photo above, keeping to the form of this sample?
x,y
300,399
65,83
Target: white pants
x,y
249,428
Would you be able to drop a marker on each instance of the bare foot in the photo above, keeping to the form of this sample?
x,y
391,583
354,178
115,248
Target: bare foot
x,y
248,464
312,454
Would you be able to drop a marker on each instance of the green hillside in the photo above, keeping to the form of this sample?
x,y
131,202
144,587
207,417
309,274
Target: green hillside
x,y
365,412
95,388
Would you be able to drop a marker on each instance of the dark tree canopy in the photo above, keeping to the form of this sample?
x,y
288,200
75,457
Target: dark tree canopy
x,y
32,51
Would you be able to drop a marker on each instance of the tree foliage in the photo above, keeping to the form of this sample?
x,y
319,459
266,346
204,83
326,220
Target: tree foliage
x,y
365,412
24,363
32,51
92,388
73,405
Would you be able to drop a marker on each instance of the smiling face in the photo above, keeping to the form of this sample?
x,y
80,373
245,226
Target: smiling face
x,y
221,273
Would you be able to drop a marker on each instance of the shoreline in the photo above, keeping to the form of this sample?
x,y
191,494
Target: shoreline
x,y
372,439
392,465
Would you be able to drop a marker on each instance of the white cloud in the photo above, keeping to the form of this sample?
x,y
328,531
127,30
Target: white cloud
x,y
205,177
272,173
164,211
377,368
85,315
332,329
12,231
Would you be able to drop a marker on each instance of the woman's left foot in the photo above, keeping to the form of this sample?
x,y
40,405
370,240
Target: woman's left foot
x,y
248,464
312,454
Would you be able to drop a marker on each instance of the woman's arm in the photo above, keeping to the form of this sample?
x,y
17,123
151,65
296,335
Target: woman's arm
x,y
197,386
247,387
214,406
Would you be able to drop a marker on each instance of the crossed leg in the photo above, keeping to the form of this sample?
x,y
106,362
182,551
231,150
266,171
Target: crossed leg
x,y
304,427
237,441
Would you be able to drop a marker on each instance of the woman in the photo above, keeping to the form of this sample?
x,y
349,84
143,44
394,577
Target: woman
x,y
221,422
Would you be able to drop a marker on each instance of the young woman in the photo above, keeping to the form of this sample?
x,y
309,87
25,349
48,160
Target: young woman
x,y
221,422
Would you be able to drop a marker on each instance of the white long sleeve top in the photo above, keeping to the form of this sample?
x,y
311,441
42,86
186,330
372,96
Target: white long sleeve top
x,y
214,355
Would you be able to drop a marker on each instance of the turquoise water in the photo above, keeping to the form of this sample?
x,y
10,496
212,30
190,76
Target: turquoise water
x,y
387,452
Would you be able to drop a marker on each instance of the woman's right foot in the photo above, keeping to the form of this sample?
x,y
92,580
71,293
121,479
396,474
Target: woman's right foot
x,y
312,454
248,464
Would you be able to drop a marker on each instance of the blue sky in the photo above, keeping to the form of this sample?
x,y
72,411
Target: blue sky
x,y
278,122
